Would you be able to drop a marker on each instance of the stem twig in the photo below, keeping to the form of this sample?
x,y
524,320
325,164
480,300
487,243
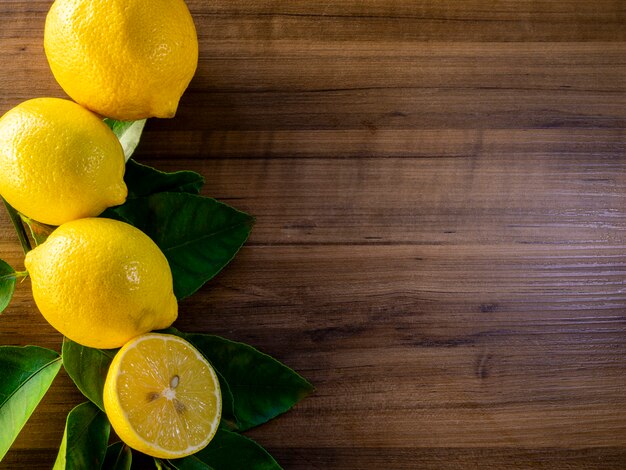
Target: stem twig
x,y
14,275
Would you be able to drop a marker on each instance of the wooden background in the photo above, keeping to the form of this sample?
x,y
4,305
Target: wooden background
x,y
441,245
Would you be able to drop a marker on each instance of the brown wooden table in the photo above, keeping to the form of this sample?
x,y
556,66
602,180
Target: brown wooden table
x,y
440,189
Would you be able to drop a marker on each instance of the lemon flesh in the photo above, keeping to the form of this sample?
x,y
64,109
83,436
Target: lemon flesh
x,y
101,282
59,161
162,396
124,59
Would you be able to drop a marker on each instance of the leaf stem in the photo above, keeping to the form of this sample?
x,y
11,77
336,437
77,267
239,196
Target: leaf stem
x,y
19,227
14,275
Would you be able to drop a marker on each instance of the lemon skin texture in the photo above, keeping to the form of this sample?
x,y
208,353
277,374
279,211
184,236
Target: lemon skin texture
x,y
59,161
162,396
101,282
124,59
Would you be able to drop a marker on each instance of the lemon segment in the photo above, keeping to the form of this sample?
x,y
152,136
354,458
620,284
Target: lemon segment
x,y
162,396
59,161
124,59
101,282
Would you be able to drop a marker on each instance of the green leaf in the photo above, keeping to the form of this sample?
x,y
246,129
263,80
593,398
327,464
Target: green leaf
x,y
162,464
128,133
228,451
118,457
7,284
198,235
188,463
18,225
85,439
143,180
27,373
262,387
88,368
229,419
38,231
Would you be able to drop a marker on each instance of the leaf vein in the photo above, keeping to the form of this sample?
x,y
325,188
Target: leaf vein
x,y
8,276
208,235
28,380
93,418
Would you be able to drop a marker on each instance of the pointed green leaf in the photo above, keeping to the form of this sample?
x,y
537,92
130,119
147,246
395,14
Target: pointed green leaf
x,y
143,180
164,464
189,463
261,386
228,451
118,457
85,439
88,368
38,231
228,419
160,464
128,133
198,235
7,284
18,225
27,373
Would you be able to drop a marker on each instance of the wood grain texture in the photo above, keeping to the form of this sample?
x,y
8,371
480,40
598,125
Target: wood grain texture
x,y
440,245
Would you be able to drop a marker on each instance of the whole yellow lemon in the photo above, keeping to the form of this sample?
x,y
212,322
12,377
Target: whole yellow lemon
x,y
124,59
101,282
59,161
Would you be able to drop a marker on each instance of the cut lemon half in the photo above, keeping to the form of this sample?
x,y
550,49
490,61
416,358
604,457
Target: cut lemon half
x,y
162,396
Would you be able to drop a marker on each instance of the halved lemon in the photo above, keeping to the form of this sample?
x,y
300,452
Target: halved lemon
x,y
162,396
